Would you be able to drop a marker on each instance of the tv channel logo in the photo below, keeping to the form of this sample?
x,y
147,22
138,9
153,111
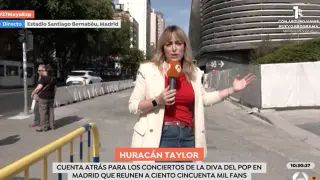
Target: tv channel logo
x,y
302,176
297,12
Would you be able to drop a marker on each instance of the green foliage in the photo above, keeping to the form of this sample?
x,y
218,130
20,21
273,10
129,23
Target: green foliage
x,y
148,55
293,52
264,48
76,46
80,9
132,60
118,39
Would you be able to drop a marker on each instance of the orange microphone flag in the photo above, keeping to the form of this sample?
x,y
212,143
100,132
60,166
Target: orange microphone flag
x,y
174,69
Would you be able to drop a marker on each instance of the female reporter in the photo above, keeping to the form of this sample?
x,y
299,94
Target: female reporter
x,y
173,118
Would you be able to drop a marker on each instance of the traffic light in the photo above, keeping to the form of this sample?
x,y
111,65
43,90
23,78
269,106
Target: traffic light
x,y
22,35
29,39
26,36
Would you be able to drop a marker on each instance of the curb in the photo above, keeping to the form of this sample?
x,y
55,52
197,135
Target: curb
x,y
236,102
296,132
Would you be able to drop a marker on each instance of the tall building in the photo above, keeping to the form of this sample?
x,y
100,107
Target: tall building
x,y
194,30
156,28
134,33
160,24
140,11
153,30
134,26
234,28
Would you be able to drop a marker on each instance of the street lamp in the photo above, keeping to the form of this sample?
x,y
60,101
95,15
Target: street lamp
x,y
23,39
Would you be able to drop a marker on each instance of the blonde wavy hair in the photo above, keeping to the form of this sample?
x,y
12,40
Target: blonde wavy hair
x,y
159,58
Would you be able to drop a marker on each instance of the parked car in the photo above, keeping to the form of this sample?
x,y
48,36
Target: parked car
x,y
82,77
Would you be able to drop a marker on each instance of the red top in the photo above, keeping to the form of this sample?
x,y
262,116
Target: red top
x,y
182,109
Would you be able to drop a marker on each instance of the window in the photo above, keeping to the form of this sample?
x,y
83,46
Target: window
x,y
1,70
92,74
77,74
29,72
12,71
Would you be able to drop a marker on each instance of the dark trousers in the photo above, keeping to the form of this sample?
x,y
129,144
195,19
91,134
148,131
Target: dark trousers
x,y
46,113
175,136
36,113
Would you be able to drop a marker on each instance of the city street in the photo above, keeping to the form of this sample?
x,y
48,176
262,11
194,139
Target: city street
x,y
12,101
233,135
262,56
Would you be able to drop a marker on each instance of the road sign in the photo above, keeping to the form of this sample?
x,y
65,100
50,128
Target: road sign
x,y
216,64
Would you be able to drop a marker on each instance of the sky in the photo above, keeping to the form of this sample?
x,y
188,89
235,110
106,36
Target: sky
x,y
175,12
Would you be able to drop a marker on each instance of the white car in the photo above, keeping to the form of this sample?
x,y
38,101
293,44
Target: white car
x,y
82,77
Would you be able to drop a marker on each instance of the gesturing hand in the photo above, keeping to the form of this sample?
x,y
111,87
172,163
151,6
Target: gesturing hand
x,y
240,84
167,97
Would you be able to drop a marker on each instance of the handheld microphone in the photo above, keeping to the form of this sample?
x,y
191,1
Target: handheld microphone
x,y
173,73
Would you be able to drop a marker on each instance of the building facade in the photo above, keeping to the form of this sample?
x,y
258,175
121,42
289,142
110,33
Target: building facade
x,y
140,11
119,14
134,33
153,29
156,28
233,28
160,24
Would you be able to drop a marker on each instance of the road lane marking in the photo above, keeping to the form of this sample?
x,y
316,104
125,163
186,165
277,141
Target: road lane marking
x,y
123,95
8,93
20,116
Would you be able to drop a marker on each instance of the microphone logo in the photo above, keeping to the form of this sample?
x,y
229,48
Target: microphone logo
x,y
178,68
174,70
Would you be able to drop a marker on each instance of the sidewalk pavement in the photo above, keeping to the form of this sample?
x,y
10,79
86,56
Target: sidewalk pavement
x,y
301,123
15,133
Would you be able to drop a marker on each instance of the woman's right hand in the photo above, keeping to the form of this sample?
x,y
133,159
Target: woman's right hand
x,y
167,97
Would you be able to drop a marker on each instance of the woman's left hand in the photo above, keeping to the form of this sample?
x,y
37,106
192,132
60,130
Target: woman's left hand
x,y
240,84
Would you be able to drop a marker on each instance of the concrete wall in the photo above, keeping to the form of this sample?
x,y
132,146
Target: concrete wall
x,y
224,79
290,85
277,85
70,94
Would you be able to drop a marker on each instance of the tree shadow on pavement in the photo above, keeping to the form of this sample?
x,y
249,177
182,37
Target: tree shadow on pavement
x,y
66,120
9,140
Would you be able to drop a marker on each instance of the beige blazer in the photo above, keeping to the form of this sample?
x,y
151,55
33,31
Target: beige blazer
x,y
149,83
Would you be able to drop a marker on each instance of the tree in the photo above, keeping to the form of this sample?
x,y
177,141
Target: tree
x,y
264,48
132,60
294,52
117,39
74,46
